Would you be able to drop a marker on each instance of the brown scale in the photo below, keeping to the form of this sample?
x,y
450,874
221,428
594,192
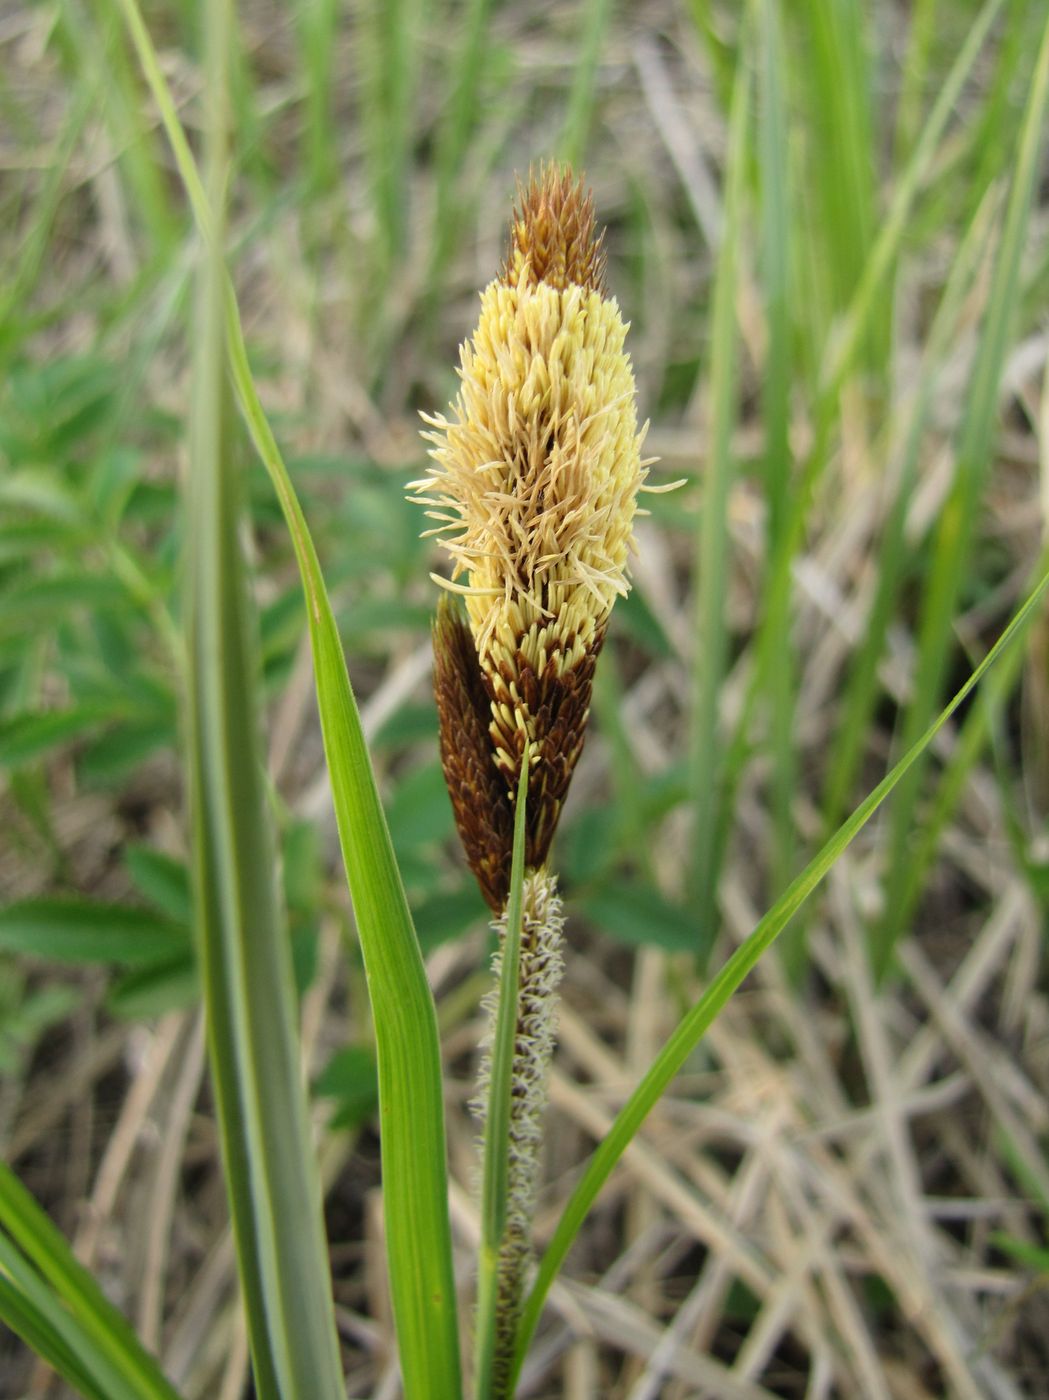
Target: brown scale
x,y
471,730
552,232
483,811
558,704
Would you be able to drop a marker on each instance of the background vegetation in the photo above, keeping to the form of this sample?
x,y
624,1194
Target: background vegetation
x,y
827,226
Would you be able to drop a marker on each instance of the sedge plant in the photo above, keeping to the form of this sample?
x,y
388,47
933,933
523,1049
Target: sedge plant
x,y
534,482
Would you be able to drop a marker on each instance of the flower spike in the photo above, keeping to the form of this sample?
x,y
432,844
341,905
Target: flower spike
x,y
532,487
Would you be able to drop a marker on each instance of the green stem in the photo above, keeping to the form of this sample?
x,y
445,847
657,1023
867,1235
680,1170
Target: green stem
x,y
497,1117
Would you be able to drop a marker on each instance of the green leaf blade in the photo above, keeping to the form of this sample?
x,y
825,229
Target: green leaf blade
x,y
48,1296
79,931
244,950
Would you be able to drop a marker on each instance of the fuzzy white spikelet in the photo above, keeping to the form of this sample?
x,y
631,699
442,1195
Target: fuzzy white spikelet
x,y
542,964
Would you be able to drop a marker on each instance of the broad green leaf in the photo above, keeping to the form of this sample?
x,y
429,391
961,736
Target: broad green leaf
x,y
25,737
154,991
86,931
161,879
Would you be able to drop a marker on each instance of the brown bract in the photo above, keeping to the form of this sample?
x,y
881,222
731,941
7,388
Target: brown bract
x,y
552,235
480,799
481,747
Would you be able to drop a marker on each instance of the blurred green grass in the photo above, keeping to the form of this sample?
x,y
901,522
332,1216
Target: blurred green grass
x,y
824,417
374,168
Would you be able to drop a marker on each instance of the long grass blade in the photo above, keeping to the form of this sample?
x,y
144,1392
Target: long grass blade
x,y
697,1022
460,114
775,285
388,47
244,950
414,1160
921,31
22,276
411,1105
711,643
318,22
868,296
95,44
861,689
495,1179
843,174
34,1328
39,1319
579,117
50,1299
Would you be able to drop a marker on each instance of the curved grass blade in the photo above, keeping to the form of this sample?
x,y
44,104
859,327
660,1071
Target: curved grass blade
x,y
973,735
414,1162
37,1315
33,1327
50,1299
494,1185
724,984
414,1168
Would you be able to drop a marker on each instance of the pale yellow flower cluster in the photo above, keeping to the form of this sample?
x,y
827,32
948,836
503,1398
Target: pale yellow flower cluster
x,y
536,476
